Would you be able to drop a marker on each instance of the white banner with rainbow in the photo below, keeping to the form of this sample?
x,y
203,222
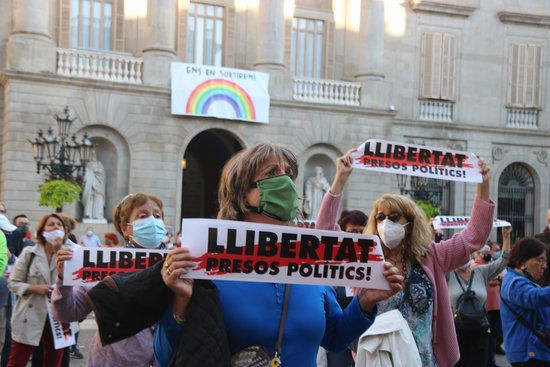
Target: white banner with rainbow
x,y
233,94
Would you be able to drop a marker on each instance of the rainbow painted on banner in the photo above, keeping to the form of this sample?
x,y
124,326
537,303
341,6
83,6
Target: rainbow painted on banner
x,y
215,90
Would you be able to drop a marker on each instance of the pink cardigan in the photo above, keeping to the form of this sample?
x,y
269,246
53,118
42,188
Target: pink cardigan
x,y
440,259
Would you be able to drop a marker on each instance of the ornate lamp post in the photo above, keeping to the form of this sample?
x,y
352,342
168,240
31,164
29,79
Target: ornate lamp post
x,y
61,157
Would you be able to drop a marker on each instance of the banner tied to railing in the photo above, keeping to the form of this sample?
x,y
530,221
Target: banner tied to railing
x,y
225,93
245,251
417,160
448,222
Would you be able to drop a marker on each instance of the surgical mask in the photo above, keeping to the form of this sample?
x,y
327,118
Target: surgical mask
x,y
391,233
278,198
148,232
90,233
496,255
52,235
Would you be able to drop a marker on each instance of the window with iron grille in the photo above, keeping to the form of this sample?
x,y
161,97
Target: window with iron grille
x,y
516,200
205,34
91,24
308,48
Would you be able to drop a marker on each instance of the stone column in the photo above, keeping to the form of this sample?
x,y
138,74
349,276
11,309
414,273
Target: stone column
x,y
30,47
160,49
270,54
370,68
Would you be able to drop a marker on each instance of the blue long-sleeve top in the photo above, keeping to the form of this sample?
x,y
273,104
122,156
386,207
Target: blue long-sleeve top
x,y
533,303
252,312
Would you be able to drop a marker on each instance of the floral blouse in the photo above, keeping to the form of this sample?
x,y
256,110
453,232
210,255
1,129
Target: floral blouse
x,y
416,305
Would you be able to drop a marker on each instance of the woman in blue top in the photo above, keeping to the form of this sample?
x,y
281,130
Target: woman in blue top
x,y
257,185
520,293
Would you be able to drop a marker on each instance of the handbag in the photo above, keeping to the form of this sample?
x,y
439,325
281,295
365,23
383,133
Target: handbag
x,y
544,337
258,355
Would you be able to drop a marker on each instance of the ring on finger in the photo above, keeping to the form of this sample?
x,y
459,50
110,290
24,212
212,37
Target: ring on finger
x,y
169,271
166,264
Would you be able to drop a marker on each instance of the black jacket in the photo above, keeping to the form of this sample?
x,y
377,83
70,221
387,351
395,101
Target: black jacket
x,y
128,303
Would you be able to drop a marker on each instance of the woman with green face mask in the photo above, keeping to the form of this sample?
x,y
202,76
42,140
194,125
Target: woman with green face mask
x,y
257,185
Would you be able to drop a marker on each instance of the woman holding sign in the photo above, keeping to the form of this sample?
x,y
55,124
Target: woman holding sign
x,y
138,218
257,186
31,280
404,230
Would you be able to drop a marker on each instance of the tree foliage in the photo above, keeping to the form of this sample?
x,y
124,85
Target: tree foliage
x,y
429,209
56,193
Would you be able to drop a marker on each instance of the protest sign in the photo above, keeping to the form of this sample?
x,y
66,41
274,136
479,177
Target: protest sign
x,y
231,250
417,160
91,265
448,222
203,90
63,333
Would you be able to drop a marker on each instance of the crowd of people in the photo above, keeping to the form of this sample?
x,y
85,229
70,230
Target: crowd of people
x,y
462,299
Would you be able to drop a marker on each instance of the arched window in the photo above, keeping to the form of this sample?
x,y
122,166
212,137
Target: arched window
x,y
516,199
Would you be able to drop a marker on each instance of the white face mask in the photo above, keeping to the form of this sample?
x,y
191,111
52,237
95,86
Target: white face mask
x,y
52,235
391,233
90,233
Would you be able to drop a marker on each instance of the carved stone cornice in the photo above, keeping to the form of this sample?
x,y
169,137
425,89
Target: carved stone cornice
x,y
446,7
541,19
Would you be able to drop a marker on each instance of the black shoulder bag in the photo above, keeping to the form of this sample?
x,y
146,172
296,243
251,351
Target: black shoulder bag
x,y
544,337
257,355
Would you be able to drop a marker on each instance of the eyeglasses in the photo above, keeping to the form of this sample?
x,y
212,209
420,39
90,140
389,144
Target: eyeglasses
x,y
542,260
394,217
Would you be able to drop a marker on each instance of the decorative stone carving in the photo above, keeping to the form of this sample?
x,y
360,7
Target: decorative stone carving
x,y
542,156
498,153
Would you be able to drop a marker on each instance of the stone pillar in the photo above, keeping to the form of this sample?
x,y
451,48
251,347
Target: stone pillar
x,y
30,47
270,54
160,49
370,68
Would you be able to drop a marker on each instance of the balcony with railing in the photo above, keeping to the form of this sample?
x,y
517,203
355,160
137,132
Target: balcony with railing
x,y
334,92
523,118
436,110
98,65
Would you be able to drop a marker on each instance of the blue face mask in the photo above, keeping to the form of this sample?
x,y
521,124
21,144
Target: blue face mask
x,y
496,255
148,232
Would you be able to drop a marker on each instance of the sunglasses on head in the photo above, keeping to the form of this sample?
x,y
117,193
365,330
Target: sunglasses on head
x,y
394,217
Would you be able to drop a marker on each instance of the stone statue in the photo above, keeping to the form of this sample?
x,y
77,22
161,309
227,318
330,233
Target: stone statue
x,y
93,194
316,187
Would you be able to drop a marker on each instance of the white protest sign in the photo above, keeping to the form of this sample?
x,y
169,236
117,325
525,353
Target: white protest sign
x,y
63,333
234,94
245,251
417,160
448,222
91,265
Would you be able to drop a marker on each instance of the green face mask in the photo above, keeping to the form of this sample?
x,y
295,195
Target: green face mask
x,y
278,198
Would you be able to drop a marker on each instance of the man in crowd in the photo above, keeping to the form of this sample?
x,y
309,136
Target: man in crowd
x,y
90,239
22,223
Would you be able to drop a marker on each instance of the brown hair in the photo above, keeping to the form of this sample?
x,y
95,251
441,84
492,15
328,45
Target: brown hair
x,y
124,209
112,237
42,224
420,238
239,172
70,222
525,249
353,217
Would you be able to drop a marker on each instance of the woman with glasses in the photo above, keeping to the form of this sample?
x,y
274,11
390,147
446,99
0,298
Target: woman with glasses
x,y
405,232
525,306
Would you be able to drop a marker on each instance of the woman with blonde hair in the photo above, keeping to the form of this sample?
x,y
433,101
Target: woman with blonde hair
x,y
31,280
408,244
138,218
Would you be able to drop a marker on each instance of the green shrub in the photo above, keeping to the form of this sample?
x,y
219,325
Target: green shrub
x,y
429,209
56,193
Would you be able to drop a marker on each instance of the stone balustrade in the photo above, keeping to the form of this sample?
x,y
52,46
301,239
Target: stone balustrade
x,y
99,65
327,91
436,110
526,118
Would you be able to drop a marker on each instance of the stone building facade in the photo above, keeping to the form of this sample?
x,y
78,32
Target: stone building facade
x,y
472,75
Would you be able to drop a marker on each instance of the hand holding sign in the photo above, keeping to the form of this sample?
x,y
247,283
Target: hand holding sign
x,y
178,262
344,168
483,189
64,254
369,297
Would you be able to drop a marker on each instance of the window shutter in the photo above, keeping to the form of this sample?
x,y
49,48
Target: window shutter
x,y
430,85
448,67
532,76
64,23
537,87
521,76
513,52
118,8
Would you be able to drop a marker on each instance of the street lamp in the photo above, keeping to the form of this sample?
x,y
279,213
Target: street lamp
x,y
63,158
